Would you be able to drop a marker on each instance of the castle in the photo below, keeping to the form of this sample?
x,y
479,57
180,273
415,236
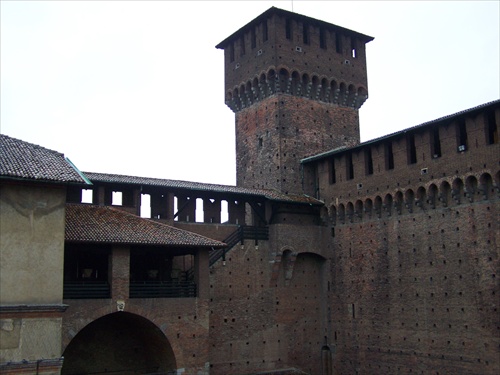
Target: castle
x,y
329,256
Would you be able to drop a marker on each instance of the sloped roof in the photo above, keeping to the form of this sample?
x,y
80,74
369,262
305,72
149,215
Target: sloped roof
x,y
199,186
105,224
23,160
299,17
446,118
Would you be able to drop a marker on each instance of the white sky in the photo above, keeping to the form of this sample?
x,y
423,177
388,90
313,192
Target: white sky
x,y
136,87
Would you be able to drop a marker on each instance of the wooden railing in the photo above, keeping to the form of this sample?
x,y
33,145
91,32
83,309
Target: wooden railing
x,y
162,289
86,289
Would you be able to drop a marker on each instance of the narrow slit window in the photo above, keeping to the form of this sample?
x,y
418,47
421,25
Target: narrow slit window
x,y
349,167
338,43
322,38
435,143
288,28
353,48
368,161
231,52
333,178
242,45
264,31
389,156
461,136
491,128
305,33
253,38
411,149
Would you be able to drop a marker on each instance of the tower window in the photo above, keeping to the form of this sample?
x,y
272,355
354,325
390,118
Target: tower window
x,y
368,161
338,43
305,33
389,156
231,52
253,37
353,48
331,171
264,31
260,141
461,136
288,28
322,38
411,149
435,143
491,128
242,45
349,167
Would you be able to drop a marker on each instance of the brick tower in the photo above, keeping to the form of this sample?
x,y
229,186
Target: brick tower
x,y
295,84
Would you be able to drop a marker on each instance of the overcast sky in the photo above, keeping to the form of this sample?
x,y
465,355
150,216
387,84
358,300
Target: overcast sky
x,y
136,87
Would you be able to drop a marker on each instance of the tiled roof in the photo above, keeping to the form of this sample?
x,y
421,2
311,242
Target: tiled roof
x,y
104,224
23,160
340,150
199,186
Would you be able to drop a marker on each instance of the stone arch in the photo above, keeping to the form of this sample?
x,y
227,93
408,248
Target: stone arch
x,y
486,185
264,87
388,203
497,182
283,80
398,202
457,190
249,92
409,200
432,195
295,89
341,213
256,89
444,193
323,94
306,85
333,214
421,197
315,87
271,81
358,209
334,92
378,205
243,96
343,93
368,207
120,342
350,211
352,94
470,188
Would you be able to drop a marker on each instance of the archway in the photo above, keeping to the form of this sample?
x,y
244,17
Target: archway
x,y
122,344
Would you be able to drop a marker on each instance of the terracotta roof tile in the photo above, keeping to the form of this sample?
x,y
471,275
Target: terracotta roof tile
x,y
23,160
105,224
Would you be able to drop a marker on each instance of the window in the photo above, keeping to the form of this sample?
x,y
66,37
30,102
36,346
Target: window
x,y
242,45
491,128
331,171
253,38
231,52
288,28
368,161
322,38
264,31
461,136
411,149
338,43
349,167
305,33
389,156
353,48
435,143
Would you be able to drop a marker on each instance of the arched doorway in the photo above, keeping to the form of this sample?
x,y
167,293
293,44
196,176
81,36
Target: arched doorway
x,y
120,343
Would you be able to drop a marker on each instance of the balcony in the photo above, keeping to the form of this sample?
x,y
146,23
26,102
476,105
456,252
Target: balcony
x,y
86,289
163,289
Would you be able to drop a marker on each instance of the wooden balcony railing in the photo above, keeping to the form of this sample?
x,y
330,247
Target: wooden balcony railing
x,y
162,289
86,289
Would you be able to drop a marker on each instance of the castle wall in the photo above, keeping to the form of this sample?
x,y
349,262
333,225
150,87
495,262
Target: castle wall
x,y
267,303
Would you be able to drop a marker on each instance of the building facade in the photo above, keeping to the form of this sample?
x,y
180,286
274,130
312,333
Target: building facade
x,y
330,256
